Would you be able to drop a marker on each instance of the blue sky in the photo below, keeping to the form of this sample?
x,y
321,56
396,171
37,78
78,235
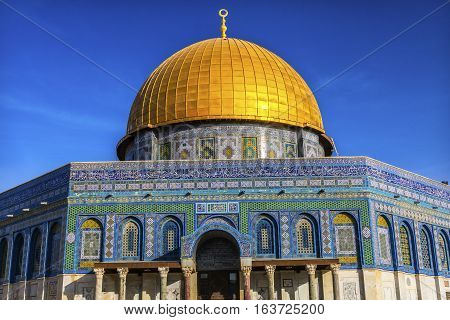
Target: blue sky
x,y
57,107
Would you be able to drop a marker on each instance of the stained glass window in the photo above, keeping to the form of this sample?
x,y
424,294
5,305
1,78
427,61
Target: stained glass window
x,y
207,148
345,238
165,151
384,241
405,247
249,148
425,249
305,240
3,258
130,240
265,240
91,237
443,253
171,238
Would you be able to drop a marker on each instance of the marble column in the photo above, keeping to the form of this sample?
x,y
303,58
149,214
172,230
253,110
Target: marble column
x,y
247,290
163,271
122,282
311,269
99,272
270,272
187,271
335,272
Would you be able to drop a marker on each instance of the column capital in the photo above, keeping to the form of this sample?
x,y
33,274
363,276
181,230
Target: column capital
x,y
99,272
122,272
335,267
311,268
246,270
163,271
270,269
187,271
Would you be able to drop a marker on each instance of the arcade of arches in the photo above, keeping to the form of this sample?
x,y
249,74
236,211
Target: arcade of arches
x,y
219,272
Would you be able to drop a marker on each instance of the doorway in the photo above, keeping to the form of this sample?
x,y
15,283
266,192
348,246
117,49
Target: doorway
x,y
218,264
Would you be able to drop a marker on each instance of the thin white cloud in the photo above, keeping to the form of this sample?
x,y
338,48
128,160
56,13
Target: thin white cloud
x,y
9,104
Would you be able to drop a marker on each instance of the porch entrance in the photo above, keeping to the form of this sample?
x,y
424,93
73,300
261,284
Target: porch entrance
x,y
218,285
218,263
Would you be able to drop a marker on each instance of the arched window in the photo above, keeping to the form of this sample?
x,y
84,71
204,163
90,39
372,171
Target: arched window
x,y
265,237
171,239
3,258
130,240
345,237
425,249
405,246
91,239
443,252
305,237
34,260
54,249
384,241
17,262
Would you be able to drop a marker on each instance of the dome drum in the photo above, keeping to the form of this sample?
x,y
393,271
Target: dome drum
x,y
223,140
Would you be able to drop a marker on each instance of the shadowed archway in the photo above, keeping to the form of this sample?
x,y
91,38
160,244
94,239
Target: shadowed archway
x,y
218,262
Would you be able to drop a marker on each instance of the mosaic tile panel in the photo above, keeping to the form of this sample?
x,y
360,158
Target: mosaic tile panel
x,y
345,239
109,237
188,242
383,242
334,167
249,148
207,149
397,240
325,228
218,207
90,244
360,205
417,238
165,151
149,236
74,210
373,231
290,150
285,234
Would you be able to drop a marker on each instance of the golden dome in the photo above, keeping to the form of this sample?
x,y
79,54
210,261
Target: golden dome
x,y
227,79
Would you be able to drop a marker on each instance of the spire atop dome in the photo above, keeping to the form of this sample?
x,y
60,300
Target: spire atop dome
x,y
223,13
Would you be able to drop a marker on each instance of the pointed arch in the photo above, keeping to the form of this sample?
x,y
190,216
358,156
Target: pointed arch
x,y
443,252
131,239
170,236
405,246
384,241
17,261
34,260
3,258
54,249
425,249
91,243
345,238
306,243
265,236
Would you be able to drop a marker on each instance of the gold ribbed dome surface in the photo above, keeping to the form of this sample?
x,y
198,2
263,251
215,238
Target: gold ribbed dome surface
x,y
227,79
